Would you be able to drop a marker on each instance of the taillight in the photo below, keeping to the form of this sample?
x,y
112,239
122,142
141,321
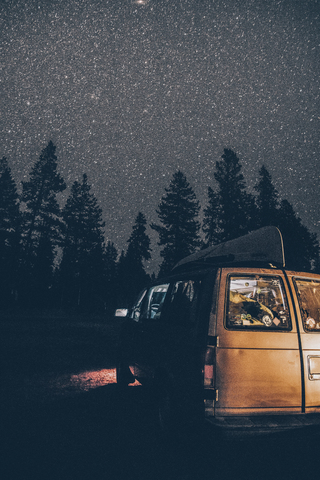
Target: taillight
x,y
209,381
209,368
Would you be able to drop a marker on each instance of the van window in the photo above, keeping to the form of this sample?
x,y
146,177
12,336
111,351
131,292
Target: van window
x,y
257,302
183,301
152,302
308,293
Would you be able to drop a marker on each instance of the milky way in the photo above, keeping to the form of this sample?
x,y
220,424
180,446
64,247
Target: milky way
x,y
131,91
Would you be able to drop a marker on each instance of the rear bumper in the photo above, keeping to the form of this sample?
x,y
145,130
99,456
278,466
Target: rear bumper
x,y
241,425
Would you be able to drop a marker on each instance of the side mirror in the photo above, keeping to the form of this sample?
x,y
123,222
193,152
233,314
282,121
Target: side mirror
x,y
121,312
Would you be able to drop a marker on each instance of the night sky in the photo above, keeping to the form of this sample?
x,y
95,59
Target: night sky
x,y
131,91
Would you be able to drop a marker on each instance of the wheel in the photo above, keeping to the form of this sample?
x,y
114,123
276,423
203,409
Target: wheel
x,y
177,412
164,406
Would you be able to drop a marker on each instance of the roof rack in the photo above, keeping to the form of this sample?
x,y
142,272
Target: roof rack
x,y
263,247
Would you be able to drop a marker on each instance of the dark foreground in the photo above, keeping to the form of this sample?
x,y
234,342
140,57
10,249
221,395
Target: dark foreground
x,y
57,423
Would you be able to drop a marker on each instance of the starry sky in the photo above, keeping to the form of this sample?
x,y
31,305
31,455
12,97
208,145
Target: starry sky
x,y
132,91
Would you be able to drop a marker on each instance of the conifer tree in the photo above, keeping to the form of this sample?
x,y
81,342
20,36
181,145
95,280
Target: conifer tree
x,y
211,219
82,267
43,215
179,232
267,200
42,225
301,247
122,285
139,242
231,210
10,220
110,266
138,251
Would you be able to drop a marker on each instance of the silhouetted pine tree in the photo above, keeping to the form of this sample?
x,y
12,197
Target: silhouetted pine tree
x,y
179,233
10,220
267,200
135,276
231,210
211,219
122,299
301,247
81,270
42,226
110,265
139,242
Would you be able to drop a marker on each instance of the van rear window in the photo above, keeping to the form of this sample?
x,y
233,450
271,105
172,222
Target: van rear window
x,y
257,302
308,292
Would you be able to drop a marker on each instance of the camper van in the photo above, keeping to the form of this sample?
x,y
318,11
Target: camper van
x,y
231,336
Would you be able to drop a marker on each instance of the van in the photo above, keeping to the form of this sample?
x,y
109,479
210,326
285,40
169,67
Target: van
x,y
231,337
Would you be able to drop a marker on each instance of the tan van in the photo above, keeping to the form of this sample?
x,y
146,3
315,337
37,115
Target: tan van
x,y
231,337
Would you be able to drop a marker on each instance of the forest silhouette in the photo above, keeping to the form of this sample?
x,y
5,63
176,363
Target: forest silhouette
x,y
56,258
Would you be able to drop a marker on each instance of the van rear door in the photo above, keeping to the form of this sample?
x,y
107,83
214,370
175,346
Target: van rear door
x,y
257,355
170,330
306,288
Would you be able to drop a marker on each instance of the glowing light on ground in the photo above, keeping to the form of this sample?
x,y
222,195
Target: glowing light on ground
x,y
93,379
85,381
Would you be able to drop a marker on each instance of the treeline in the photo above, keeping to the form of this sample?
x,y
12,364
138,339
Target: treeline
x,y
54,257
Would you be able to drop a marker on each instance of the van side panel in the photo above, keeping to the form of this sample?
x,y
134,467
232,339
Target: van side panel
x,y
257,371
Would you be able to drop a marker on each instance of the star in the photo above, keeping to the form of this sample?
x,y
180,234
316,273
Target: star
x,y
130,95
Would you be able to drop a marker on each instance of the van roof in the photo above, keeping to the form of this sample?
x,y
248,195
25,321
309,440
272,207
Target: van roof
x,y
263,247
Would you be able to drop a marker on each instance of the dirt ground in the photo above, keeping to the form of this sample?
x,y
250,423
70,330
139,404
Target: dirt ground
x,y
63,417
